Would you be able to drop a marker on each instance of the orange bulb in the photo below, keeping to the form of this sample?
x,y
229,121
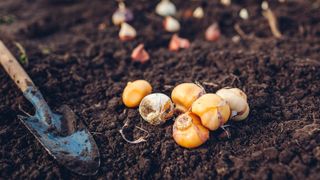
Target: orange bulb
x,y
135,91
185,94
188,131
213,32
177,43
212,110
139,54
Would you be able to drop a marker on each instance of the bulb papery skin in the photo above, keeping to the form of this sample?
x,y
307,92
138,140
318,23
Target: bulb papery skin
x,y
237,101
166,8
212,110
188,131
134,92
156,108
183,95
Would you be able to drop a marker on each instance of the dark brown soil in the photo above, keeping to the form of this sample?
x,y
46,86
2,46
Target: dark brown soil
x,y
74,63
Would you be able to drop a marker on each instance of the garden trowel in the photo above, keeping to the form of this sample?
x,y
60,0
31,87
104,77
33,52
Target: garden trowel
x,y
61,134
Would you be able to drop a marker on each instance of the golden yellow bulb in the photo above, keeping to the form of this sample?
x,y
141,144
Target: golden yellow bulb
x,y
188,131
134,92
212,110
185,94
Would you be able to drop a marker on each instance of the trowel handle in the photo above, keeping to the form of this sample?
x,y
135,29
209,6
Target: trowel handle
x,y
14,69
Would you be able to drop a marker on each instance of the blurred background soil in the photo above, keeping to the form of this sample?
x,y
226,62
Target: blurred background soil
x,y
75,63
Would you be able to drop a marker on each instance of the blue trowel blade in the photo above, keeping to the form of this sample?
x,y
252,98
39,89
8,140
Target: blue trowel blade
x,y
62,135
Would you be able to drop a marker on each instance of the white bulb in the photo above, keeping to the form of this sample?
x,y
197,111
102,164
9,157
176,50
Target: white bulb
x,y
244,14
166,8
237,101
156,108
264,5
198,13
171,24
236,39
127,32
122,14
226,2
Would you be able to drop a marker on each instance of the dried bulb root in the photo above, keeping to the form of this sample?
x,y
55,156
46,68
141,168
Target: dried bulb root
x,y
137,141
273,22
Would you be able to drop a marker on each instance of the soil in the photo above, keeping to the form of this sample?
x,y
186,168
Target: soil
x,y
74,62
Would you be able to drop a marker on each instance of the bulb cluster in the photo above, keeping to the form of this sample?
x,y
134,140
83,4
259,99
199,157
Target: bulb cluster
x,y
205,111
165,8
200,112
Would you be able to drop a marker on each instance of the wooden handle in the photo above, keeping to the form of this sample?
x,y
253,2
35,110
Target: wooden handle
x,y
14,69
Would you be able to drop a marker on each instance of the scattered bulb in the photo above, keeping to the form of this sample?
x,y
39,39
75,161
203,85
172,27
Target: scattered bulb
x,y
122,14
264,5
134,92
282,1
213,32
185,94
166,8
170,24
198,13
212,110
156,108
244,14
225,2
127,32
139,54
236,39
237,101
177,42
188,131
